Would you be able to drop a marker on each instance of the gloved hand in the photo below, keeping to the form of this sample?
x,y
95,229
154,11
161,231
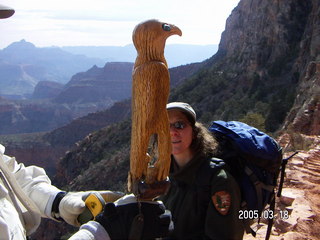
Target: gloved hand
x,y
72,204
124,220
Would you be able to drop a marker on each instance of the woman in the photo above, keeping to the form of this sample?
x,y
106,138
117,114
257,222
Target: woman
x,y
201,208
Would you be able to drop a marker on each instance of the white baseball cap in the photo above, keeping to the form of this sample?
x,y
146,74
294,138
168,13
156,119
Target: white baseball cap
x,y
184,107
5,12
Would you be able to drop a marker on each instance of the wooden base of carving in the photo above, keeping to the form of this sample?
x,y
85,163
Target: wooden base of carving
x,y
146,191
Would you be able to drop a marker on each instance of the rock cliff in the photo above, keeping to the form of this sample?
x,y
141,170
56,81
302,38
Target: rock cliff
x,y
46,89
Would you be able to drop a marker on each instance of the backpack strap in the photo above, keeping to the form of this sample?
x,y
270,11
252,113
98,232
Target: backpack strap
x,y
258,186
206,173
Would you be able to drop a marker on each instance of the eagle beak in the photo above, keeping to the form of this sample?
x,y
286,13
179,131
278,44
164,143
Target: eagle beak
x,y
175,30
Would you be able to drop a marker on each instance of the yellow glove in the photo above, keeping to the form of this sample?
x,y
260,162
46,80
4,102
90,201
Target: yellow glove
x,y
73,204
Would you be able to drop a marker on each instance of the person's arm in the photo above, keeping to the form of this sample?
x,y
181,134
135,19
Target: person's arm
x,y
35,184
52,202
222,221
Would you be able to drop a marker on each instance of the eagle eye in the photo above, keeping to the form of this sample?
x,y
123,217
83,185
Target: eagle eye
x,y
166,27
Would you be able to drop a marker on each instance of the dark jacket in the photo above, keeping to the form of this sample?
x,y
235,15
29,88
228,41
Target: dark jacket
x,y
191,203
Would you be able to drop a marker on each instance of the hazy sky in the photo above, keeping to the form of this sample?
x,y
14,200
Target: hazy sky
x,y
110,23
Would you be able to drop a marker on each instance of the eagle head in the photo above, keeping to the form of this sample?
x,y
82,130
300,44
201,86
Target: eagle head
x,y
149,37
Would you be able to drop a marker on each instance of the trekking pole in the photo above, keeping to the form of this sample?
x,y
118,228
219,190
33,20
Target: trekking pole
x,y
283,167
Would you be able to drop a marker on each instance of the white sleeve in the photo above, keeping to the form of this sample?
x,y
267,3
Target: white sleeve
x,y
35,184
91,231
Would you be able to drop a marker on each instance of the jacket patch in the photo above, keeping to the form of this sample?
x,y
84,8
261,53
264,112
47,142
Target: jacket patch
x,y
222,202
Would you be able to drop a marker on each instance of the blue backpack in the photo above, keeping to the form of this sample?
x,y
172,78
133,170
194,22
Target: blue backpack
x,y
255,161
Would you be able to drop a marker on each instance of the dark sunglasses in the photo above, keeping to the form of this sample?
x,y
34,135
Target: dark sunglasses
x,y
179,125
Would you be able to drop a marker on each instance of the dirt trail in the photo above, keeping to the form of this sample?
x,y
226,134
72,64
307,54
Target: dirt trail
x,y
297,214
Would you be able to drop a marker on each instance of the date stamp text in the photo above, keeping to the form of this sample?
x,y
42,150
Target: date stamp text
x,y
266,214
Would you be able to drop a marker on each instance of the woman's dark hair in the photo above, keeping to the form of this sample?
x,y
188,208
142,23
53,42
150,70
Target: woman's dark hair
x,y
203,141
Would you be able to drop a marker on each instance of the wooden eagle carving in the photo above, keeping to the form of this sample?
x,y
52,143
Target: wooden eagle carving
x,y
150,92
